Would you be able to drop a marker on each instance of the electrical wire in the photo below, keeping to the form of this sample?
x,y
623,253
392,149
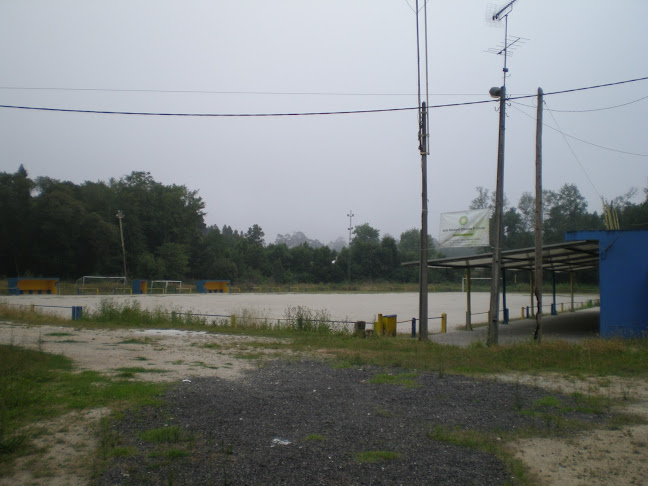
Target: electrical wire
x,y
207,115
574,154
320,113
579,139
188,91
591,109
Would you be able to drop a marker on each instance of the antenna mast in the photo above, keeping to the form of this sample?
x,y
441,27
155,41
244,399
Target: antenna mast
x,y
509,44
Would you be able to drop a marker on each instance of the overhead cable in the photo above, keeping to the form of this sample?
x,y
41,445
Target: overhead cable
x,y
580,139
320,113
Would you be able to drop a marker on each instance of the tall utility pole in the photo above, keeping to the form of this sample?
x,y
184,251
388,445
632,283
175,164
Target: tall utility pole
x,y
350,215
493,329
423,280
120,216
538,218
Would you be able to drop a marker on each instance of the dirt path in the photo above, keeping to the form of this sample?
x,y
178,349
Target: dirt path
x,y
593,458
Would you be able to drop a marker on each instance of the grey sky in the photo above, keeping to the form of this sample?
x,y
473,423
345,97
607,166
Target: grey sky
x,y
305,173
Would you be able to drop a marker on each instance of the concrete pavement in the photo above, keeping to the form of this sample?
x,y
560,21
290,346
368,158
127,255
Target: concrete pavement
x,y
568,326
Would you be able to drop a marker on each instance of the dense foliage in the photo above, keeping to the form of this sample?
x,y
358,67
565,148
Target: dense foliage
x,y
58,228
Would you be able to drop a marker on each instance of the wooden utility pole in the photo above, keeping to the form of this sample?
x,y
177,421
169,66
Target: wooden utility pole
x,y
538,219
423,274
493,330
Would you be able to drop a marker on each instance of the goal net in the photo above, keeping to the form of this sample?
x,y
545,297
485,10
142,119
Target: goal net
x,y
167,287
96,284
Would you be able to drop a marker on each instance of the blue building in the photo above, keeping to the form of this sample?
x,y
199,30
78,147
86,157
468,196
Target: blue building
x,y
623,280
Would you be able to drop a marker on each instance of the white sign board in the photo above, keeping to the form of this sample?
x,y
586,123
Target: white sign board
x,y
464,229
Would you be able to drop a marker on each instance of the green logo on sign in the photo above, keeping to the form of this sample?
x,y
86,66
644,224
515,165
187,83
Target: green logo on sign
x,y
463,220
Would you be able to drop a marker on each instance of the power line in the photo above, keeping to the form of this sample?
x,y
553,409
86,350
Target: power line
x,y
206,115
574,155
191,91
580,139
319,113
591,109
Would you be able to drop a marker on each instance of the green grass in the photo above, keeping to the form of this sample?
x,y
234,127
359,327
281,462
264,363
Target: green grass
x,y
37,386
376,456
162,435
315,437
408,380
598,357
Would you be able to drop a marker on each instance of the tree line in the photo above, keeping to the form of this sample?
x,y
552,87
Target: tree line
x,y
58,228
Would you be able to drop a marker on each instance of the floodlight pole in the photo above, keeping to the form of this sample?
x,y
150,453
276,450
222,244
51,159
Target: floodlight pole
x,y
493,329
120,216
423,264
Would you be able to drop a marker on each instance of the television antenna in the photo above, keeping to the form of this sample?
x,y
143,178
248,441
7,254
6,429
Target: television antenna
x,y
510,43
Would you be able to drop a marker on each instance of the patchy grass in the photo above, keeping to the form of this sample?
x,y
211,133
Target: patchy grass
x,y
146,340
315,438
408,380
376,456
37,386
130,371
162,435
595,357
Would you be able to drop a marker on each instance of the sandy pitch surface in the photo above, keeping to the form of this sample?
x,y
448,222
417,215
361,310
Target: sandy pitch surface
x,y
599,457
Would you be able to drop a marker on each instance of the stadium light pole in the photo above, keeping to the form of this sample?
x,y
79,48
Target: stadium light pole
x,y
120,216
493,329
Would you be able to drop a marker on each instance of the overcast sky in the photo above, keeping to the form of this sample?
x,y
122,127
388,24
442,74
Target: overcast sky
x,y
283,56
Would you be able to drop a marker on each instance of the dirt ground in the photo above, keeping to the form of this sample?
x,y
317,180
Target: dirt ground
x,y
599,457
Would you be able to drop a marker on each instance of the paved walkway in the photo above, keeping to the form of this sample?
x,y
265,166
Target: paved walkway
x,y
568,326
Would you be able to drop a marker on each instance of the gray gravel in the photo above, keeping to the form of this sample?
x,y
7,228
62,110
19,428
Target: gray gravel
x,y
303,422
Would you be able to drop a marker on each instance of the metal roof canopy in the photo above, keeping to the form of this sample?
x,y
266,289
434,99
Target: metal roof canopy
x,y
561,257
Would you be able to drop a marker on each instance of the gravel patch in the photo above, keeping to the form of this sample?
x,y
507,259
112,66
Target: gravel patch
x,y
295,422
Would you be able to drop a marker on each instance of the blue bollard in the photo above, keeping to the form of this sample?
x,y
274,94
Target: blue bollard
x,y
413,327
77,313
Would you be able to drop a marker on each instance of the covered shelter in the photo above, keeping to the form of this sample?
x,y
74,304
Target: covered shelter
x,y
570,256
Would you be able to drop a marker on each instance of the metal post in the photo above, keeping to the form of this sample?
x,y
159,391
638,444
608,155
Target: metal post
x,y
538,219
505,317
350,215
553,288
531,292
120,216
493,329
468,302
423,290
571,289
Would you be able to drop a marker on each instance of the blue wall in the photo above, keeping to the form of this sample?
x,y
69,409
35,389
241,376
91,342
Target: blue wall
x,y
623,280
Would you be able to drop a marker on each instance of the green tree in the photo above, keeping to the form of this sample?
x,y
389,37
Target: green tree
x,y
16,222
567,211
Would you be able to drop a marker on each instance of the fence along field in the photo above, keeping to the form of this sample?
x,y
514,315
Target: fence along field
x,y
348,307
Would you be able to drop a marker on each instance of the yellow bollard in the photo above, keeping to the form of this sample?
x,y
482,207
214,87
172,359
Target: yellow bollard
x,y
233,318
562,307
379,326
521,312
444,322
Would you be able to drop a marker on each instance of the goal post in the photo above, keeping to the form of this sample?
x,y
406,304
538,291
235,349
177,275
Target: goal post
x,y
167,286
94,284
